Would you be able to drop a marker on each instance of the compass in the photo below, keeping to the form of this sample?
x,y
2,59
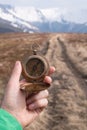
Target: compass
x,y
34,71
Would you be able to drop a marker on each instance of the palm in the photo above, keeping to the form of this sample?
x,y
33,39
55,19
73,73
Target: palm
x,y
15,100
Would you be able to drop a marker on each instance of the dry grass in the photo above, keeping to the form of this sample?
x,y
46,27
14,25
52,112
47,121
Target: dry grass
x,y
67,109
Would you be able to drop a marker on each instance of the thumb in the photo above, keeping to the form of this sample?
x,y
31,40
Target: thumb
x,y
15,76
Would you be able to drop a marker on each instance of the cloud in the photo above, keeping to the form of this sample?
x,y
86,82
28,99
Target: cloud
x,y
48,3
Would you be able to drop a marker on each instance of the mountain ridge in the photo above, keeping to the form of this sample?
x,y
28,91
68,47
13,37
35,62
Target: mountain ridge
x,y
30,19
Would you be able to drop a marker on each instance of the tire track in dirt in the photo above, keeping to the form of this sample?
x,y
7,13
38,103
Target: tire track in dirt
x,y
79,77
68,82
67,108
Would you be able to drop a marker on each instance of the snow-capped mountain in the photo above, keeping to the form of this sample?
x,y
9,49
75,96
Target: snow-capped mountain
x,y
30,19
12,22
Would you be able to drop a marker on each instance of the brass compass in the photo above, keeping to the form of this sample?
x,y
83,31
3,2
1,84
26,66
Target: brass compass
x,y
35,68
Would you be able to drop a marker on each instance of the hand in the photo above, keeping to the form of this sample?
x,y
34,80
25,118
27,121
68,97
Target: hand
x,y
25,110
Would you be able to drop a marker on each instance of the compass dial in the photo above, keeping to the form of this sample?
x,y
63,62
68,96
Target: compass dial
x,y
35,67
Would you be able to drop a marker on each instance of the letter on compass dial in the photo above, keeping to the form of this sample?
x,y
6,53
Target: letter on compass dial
x,y
35,67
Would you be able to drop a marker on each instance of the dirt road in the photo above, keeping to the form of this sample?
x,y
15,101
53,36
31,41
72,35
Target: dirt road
x,y
67,108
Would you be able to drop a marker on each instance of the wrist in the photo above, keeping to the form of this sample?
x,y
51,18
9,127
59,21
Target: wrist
x,y
9,120
13,113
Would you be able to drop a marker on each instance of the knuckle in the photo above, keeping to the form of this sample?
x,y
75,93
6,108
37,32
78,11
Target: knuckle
x,y
46,102
43,103
46,92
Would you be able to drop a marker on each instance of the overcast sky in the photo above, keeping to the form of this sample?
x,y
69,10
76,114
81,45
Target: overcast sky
x,y
71,4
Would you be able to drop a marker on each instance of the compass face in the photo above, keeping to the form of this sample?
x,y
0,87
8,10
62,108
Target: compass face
x,y
35,67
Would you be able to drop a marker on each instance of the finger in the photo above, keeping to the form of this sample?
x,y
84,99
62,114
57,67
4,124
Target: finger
x,y
39,110
22,81
48,79
38,104
15,76
52,70
40,95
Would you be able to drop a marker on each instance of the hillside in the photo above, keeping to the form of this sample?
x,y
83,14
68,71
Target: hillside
x,y
67,108
30,19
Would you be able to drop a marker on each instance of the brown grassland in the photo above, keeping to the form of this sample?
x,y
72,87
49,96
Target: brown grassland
x,y
67,108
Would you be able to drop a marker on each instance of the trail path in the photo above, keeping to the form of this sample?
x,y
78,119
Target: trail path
x,y
67,109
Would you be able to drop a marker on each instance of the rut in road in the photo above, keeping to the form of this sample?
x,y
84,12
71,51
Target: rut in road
x,y
79,77
67,108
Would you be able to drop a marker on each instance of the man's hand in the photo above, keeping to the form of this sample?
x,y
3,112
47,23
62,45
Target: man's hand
x,y
25,110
